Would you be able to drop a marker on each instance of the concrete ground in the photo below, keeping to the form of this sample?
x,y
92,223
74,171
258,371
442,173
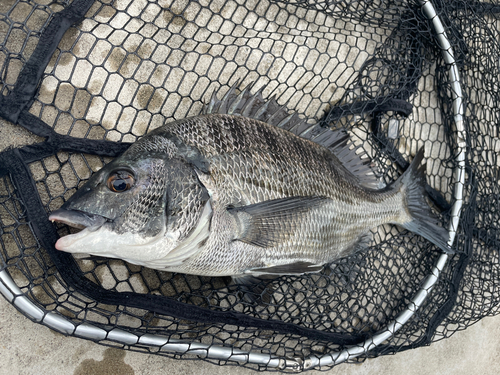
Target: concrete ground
x,y
32,349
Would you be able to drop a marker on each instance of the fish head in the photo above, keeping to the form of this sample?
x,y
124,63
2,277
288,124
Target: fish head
x,y
124,209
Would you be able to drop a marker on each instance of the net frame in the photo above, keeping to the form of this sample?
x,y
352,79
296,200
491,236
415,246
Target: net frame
x,y
14,295
469,165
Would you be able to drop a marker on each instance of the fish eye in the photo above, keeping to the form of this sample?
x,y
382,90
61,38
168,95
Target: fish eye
x,y
120,181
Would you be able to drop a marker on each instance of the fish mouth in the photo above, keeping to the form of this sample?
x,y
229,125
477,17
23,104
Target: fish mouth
x,y
78,219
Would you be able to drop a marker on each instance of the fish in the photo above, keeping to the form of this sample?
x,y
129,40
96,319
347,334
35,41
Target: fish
x,y
245,189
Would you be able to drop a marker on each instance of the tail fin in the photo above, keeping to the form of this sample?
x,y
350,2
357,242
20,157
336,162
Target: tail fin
x,y
424,222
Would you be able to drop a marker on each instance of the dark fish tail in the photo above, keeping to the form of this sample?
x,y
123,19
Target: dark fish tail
x,y
412,184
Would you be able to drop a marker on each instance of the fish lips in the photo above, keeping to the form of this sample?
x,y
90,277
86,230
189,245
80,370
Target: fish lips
x,y
78,219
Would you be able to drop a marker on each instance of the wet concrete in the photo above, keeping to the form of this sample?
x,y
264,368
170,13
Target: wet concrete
x,y
32,349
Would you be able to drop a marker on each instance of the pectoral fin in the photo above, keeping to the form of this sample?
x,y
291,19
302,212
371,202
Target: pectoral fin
x,y
268,223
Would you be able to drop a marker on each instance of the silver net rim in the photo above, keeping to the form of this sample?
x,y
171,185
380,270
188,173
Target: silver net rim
x,y
15,296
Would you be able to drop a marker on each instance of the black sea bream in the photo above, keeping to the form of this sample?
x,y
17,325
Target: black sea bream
x,y
232,193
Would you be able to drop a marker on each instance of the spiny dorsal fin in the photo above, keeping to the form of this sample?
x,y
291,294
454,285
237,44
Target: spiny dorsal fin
x,y
251,106
336,140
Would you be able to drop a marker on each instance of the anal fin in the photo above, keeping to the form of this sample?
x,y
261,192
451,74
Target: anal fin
x,y
296,268
256,284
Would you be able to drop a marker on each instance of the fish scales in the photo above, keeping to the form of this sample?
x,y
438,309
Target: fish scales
x,y
242,174
237,196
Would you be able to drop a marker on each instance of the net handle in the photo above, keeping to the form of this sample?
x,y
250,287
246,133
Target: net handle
x,y
13,294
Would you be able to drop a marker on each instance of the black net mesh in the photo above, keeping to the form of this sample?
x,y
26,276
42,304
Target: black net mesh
x,y
92,76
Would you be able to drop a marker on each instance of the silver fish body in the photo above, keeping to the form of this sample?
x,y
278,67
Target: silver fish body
x,y
232,193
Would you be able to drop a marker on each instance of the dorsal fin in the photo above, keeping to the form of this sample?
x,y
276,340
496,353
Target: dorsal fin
x,y
251,106
352,157
338,141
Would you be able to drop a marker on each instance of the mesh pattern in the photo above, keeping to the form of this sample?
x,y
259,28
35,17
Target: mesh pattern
x,y
126,67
